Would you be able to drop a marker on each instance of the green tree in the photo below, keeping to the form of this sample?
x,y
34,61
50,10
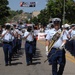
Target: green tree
x,y
70,11
4,11
19,11
34,20
55,9
43,17
14,15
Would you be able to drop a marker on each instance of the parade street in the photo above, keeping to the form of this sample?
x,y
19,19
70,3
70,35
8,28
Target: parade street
x,y
38,67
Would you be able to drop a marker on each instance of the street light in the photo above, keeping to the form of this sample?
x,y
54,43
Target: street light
x,y
64,13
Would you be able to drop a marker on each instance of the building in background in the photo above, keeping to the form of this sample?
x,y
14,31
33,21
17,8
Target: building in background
x,y
35,13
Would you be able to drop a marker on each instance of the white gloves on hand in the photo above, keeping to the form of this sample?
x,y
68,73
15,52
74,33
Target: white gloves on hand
x,y
62,46
46,50
47,53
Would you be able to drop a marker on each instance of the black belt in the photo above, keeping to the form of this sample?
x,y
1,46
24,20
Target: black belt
x,y
55,48
7,42
29,41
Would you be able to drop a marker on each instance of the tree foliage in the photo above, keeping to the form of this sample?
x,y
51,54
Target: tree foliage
x,y
4,11
43,17
34,20
55,9
13,13
70,11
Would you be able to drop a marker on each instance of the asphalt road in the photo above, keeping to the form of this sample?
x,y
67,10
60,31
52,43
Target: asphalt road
x,y
38,67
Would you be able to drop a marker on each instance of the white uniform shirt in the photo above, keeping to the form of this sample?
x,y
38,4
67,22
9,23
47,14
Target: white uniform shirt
x,y
35,32
7,37
20,34
30,37
12,34
51,33
47,31
58,43
15,32
72,33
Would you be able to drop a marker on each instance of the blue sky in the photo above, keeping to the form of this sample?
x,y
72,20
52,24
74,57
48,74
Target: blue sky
x,y
15,5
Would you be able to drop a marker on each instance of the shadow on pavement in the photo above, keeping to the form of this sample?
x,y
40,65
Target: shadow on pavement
x,y
70,47
37,57
1,44
35,63
16,57
16,63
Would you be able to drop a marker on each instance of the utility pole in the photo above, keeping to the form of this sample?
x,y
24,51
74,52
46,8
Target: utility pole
x,y
64,13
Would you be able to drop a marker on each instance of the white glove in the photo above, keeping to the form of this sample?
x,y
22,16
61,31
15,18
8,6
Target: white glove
x,y
46,50
62,46
47,53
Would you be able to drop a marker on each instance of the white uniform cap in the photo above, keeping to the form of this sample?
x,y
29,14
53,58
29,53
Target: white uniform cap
x,y
66,25
7,24
62,26
72,25
49,25
56,20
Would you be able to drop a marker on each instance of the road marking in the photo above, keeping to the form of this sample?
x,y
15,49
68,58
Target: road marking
x,y
68,56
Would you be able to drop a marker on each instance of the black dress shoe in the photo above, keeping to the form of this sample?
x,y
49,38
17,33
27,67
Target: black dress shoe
x,y
31,62
28,64
6,64
50,63
9,63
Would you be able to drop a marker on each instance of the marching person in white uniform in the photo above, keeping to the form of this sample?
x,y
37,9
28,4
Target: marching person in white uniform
x,y
29,36
7,45
57,54
50,27
71,43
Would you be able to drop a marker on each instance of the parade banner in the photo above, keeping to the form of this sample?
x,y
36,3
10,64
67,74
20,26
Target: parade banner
x,y
27,4
41,36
